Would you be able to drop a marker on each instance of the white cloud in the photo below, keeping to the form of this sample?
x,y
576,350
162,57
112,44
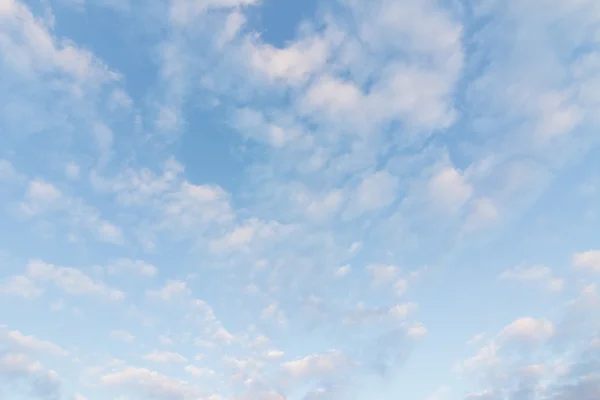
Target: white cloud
x,y
165,357
72,171
21,286
587,261
292,64
8,172
486,357
168,120
183,12
103,136
31,343
36,51
448,190
439,394
44,197
363,314
537,274
484,212
375,191
122,336
382,274
400,286
179,206
198,372
275,354
40,196
317,365
70,280
416,330
138,267
244,236
17,367
528,330
476,339
273,312
343,271
171,290
148,383
109,232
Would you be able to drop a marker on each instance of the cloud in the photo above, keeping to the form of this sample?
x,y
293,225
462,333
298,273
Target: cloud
x,y
137,267
171,290
363,314
39,197
21,286
317,365
72,171
31,343
448,190
198,372
392,125
290,65
37,52
181,209
186,11
43,199
165,357
382,273
540,274
71,280
528,330
343,271
122,336
416,330
248,235
377,190
16,367
148,383
588,261
8,172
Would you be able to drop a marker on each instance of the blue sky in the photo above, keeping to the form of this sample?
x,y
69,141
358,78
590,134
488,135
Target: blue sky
x,y
299,200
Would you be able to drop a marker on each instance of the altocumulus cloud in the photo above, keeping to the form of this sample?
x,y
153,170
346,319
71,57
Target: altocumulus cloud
x,y
335,199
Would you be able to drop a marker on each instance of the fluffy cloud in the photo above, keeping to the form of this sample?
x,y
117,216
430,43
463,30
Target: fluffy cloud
x,y
536,274
70,280
588,261
317,365
165,357
31,343
148,383
15,367
21,286
138,267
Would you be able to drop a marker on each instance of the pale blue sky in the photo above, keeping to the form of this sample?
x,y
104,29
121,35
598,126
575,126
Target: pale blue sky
x,y
299,200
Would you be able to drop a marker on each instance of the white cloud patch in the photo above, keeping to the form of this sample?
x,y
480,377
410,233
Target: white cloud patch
x,y
21,286
587,261
539,274
137,267
122,336
31,343
171,290
165,357
71,280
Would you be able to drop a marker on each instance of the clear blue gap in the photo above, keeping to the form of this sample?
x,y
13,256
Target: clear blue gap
x,y
210,148
278,20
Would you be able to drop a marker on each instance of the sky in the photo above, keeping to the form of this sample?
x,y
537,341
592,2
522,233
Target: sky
x,y
299,200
